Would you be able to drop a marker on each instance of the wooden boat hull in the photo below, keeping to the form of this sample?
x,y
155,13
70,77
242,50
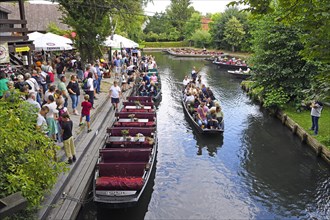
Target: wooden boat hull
x,y
122,198
196,126
230,66
125,165
190,55
239,75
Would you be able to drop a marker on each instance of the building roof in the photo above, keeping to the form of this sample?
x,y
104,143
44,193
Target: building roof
x,y
38,16
5,10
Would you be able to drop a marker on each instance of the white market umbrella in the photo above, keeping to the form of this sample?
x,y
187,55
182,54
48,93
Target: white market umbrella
x,y
59,38
111,43
35,35
124,42
47,43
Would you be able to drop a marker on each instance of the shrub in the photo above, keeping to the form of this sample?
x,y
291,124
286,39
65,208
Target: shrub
x,y
28,162
166,44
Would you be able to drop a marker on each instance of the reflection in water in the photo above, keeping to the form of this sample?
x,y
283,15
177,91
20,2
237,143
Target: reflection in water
x,y
278,176
257,169
210,143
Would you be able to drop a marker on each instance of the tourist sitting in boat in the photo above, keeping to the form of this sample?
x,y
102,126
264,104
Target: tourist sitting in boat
x,y
143,89
185,81
202,115
209,94
219,114
247,71
152,89
154,78
189,99
209,103
145,78
212,119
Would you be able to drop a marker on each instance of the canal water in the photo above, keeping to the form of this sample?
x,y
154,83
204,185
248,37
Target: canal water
x,y
256,170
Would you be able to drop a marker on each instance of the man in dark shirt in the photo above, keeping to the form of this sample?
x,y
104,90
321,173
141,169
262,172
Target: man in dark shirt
x,y
68,138
60,67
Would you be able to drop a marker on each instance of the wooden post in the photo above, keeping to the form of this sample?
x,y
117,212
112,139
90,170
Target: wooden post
x,y
319,151
294,129
285,117
304,137
22,14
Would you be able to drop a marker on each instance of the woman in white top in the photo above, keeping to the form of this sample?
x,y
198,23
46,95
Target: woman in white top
x,y
51,116
90,90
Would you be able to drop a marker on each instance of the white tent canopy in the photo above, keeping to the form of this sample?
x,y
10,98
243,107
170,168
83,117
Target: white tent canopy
x,y
59,38
35,35
120,42
47,43
111,43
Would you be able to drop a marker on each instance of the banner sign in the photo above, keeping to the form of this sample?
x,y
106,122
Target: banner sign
x,y
4,53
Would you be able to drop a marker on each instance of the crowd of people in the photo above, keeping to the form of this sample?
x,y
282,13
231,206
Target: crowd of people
x,y
48,90
201,103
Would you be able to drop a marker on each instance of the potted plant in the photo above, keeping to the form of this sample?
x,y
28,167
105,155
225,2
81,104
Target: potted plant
x,y
137,103
125,133
131,116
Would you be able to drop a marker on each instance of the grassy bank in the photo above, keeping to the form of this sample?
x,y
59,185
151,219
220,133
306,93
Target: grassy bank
x,y
164,44
304,120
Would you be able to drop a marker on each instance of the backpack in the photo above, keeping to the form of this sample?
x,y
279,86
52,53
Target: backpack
x,y
84,84
48,80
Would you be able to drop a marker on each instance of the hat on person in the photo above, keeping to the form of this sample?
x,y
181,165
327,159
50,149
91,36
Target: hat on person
x,y
102,60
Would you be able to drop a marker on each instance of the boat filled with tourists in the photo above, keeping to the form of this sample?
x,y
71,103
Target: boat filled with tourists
x,y
241,74
150,85
230,63
202,109
128,156
188,52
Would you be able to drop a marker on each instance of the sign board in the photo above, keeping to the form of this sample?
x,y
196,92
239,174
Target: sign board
x,y
22,49
4,53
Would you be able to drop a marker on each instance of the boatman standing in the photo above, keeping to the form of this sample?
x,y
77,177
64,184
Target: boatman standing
x,y
194,74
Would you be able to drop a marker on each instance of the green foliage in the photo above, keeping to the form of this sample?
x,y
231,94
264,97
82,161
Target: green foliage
x,y
312,19
165,44
93,21
217,27
276,59
193,24
275,98
179,12
303,118
201,38
53,28
28,156
234,33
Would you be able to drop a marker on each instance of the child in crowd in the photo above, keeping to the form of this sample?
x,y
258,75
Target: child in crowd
x,y
61,111
68,138
85,111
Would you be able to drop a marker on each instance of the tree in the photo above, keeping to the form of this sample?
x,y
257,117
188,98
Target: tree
x,y
179,12
201,38
193,24
280,70
27,156
91,21
217,27
234,33
312,18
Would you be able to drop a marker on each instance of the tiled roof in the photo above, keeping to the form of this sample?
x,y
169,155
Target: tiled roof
x,y
38,16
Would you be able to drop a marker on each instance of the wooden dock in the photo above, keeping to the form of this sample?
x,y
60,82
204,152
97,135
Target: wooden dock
x,y
66,199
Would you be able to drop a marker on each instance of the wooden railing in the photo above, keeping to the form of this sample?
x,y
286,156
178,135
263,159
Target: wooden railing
x,y
8,25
